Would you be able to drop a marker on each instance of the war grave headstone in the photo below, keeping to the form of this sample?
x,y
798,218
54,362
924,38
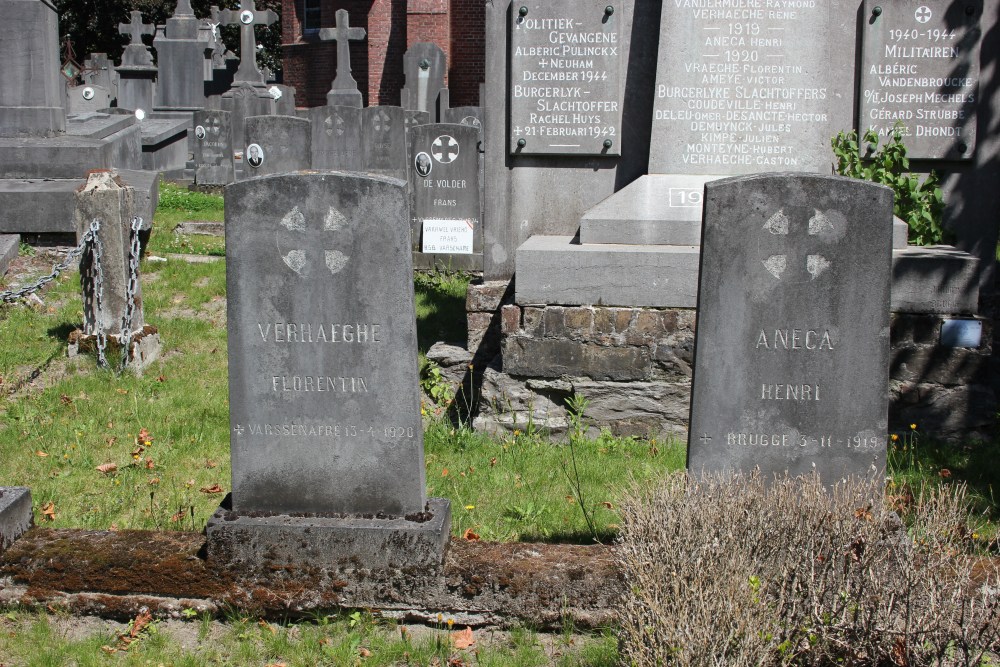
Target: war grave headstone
x,y
383,141
445,206
344,89
792,344
86,98
336,137
324,391
213,147
136,74
249,95
424,66
276,144
180,55
920,67
15,514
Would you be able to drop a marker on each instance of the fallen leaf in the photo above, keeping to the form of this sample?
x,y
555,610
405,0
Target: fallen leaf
x,y
107,468
110,650
41,453
122,391
267,626
276,664
945,473
177,516
137,452
154,481
189,483
140,623
469,535
111,441
49,510
161,378
149,463
363,652
463,638
111,424
113,528
209,463
145,437
444,472
610,506
493,461
215,488
570,499
65,400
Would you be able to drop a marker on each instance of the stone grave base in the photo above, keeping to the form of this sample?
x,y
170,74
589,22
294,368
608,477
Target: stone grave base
x,y
9,246
262,542
15,514
144,348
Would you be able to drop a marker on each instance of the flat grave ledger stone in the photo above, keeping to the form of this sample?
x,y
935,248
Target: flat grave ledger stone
x,y
792,345
565,69
383,141
445,204
213,147
276,144
336,137
920,67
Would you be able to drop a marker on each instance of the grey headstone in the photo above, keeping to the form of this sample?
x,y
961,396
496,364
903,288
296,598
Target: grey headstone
x,y
31,88
245,100
565,77
323,387
336,137
424,66
136,53
464,115
98,70
344,89
213,148
284,145
180,56
383,141
445,201
284,99
15,514
792,347
87,98
247,17
921,67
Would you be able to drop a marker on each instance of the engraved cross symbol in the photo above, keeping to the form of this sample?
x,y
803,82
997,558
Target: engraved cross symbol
x,y
214,126
778,228
706,438
333,124
444,149
238,429
343,34
923,14
303,244
135,28
382,122
247,17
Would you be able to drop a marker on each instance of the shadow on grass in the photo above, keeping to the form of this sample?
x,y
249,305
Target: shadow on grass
x,y
440,308
61,332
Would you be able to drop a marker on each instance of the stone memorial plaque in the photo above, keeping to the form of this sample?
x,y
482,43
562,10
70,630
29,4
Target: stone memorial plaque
x,y
444,188
741,89
323,383
336,137
792,345
276,144
213,148
921,68
383,141
566,82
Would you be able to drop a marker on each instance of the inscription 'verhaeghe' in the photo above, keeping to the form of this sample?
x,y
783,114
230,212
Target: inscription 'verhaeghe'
x,y
283,332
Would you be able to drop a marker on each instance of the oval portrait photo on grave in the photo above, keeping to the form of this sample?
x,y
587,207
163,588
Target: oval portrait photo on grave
x,y
255,155
88,93
199,132
422,163
246,17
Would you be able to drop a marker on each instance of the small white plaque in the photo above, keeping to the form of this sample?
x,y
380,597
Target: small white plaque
x,y
448,236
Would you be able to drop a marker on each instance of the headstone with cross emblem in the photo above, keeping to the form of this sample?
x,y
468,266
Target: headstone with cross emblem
x,y
137,73
383,141
424,66
792,345
336,137
213,147
136,53
344,89
247,17
445,205
282,144
323,385
921,68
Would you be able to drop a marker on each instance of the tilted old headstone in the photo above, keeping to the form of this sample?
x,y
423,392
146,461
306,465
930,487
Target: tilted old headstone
x,y
326,435
383,141
445,206
921,68
792,344
336,137
213,147
276,144
424,66
344,89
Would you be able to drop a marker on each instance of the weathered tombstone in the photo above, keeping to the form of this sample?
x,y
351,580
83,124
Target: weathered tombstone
x,y
15,514
326,434
284,99
383,141
180,56
99,71
112,291
344,89
424,65
30,106
213,147
920,67
336,137
445,206
465,115
276,144
249,95
414,118
136,74
86,99
792,348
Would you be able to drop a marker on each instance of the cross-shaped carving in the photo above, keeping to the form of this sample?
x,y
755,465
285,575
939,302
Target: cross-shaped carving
x,y
775,235
343,34
247,17
308,245
238,429
136,28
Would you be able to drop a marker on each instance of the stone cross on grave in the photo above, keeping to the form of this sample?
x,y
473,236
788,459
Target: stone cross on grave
x,y
135,29
784,257
343,34
247,17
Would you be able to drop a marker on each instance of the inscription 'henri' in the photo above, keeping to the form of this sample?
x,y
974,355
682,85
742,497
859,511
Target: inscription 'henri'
x,y
281,332
795,339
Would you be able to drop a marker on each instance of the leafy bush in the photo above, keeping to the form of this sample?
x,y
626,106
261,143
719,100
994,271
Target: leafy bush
x,y
918,203
732,571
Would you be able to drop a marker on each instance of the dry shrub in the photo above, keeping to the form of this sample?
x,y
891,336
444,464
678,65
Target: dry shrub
x,y
731,571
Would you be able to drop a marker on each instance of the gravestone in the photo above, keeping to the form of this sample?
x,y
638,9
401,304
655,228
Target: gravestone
x,y
424,66
99,71
276,144
136,74
336,137
15,514
920,67
465,115
284,99
249,95
383,141
86,99
445,205
344,89
30,106
213,147
326,432
180,56
792,345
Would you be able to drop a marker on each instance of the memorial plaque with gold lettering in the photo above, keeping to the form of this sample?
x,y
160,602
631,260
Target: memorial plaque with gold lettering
x,y
323,386
921,69
792,344
565,71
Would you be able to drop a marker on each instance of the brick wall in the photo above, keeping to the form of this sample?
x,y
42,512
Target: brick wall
x,y
467,51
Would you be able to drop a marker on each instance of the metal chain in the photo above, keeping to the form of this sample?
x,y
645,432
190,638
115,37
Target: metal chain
x,y
131,289
59,267
101,336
